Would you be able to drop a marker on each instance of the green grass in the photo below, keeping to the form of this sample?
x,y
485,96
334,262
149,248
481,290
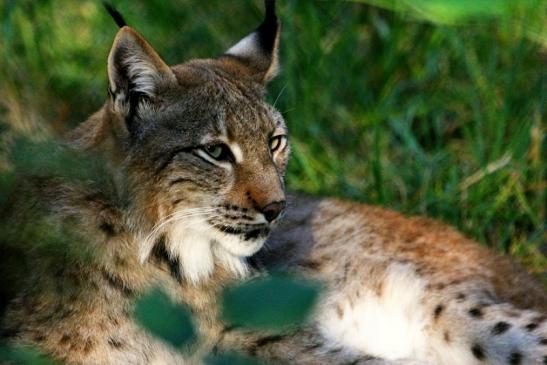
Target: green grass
x,y
418,108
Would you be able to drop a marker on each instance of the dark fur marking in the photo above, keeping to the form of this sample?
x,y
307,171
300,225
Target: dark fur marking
x,y
314,346
475,312
545,360
231,230
438,311
460,296
88,346
310,264
64,339
171,155
254,262
339,311
39,337
114,343
543,341
268,339
119,261
531,326
447,337
256,233
118,284
264,341
181,180
160,254
515,358
500,328
354,362
477,351
108,229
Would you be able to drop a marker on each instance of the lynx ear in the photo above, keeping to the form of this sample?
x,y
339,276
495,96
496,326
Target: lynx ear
x,y
135,71
259,50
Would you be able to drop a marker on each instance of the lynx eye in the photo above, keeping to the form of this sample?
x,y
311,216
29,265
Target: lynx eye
x,y
219,152
277,143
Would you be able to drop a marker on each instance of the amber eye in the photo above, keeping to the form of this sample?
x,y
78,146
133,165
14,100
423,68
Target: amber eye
x,y
278,143
219,152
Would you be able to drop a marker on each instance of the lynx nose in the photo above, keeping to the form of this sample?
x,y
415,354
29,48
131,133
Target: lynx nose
x,y
273,210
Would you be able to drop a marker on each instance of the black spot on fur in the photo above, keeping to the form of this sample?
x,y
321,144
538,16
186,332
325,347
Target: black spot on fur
x,y
268,339
447,337
531,326
180,180
545,360
256,233
500,328
314,346
477,351
39,337
438,311
115,343
460,296
64,339
160,255
118,284
543,341
475,312
107,228
515,358
165,159
231,230
88,346
310,264
354,362
264,341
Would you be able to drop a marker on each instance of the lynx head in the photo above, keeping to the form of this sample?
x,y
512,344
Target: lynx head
x,y
205,154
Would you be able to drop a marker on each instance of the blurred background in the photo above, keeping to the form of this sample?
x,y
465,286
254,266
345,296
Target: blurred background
x,y
429,107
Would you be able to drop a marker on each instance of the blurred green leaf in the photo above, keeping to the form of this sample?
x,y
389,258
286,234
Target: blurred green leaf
x,y
532,13
51,158
449,11
167,320
23,356
274,302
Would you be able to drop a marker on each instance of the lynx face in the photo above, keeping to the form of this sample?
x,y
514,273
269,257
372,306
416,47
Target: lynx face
x,y
205,153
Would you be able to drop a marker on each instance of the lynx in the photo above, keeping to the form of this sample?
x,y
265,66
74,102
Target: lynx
x,y
201,157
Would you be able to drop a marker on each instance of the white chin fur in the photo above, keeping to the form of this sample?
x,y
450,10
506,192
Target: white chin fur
x,y
236,246
198,247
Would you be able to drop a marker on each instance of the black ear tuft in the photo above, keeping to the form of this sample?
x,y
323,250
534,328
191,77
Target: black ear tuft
x,y
258,52
267,31
115,14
